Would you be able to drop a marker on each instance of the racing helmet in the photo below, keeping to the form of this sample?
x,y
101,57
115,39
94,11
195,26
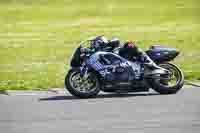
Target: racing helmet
x,y
99,42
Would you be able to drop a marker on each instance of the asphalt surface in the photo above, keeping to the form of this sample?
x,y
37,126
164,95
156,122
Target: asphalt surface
x,y
108,113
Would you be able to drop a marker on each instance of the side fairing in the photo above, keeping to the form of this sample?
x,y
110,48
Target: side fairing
x,y
94,62
104,60
113,67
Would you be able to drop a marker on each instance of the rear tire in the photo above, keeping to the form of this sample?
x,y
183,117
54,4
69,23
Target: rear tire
x,y
71,87
164,88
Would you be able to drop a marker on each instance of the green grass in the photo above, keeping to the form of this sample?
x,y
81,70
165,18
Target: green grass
x,y
37,38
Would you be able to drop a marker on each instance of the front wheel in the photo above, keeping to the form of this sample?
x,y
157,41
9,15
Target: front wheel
x,y
82,87
171,85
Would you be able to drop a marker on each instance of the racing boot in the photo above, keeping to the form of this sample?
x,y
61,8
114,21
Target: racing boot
x,y
152,66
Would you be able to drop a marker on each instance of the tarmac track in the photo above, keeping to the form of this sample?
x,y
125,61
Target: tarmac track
x,y
41,112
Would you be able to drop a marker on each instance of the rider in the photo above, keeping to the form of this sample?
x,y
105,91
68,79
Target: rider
x,y
129,50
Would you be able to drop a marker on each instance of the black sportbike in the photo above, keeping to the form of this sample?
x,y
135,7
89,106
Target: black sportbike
x,y
106,70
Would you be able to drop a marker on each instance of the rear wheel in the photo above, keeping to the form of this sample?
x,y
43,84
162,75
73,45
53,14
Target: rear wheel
x,y
173,82
82,87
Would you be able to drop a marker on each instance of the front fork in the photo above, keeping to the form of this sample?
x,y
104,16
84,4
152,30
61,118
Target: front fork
x,y
84,72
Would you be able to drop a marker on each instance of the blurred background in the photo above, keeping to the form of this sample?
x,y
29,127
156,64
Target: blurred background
x,y
37,37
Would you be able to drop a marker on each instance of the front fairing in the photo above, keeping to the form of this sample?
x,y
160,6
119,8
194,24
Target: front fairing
x,y
76,60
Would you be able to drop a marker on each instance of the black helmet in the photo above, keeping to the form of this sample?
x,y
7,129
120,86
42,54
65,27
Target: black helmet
x,y
99,42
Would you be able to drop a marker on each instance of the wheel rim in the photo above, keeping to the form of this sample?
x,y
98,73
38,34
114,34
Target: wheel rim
x,y
82,85
174,76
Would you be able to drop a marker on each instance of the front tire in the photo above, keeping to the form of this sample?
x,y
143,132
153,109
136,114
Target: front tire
x,y
82,88
163,87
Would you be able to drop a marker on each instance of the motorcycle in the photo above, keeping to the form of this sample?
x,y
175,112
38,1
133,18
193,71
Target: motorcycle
x,y
105,70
